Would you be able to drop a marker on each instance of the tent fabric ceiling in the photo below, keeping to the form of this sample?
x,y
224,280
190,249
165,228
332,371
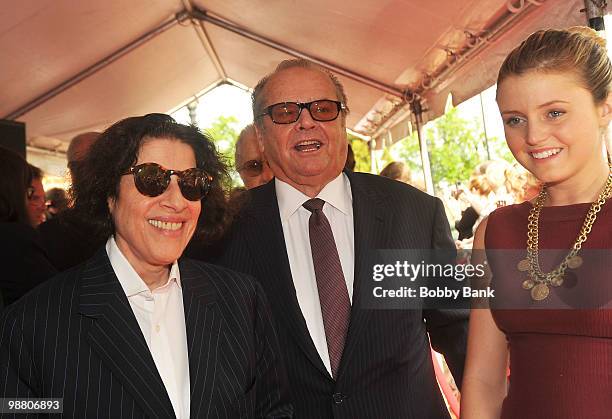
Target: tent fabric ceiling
x,y
397,42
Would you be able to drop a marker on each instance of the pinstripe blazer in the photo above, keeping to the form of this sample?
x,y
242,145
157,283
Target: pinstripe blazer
x,y
76,337
386,369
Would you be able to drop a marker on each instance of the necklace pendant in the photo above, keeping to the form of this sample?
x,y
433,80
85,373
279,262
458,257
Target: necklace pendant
x,y
523,265
557,281
574,262
528,284
540,292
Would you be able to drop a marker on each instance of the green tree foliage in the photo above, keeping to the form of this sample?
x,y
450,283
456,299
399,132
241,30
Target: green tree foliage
x,y
362,153
225,131
456,146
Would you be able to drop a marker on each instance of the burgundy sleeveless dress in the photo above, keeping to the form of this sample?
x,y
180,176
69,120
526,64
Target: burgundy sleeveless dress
x,y
560,357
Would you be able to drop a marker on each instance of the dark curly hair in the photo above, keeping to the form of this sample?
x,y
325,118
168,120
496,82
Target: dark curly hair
x,y
117,150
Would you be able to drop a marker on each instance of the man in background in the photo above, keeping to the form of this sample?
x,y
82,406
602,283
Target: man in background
x,y
250,162
78,148
65,237
57,202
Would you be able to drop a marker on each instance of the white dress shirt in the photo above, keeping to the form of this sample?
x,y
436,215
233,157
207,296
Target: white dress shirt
x,y
338,209
161,317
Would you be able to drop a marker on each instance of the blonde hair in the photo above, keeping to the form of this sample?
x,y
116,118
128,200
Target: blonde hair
x,y
480,185
579,50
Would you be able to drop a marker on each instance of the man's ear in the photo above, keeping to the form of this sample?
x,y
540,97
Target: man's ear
x,y
259,135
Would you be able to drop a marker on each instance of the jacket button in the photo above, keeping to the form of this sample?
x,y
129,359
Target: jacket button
x,y
338,398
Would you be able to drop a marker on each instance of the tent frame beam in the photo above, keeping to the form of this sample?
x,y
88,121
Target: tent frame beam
x,y
204,16
99,65
206,42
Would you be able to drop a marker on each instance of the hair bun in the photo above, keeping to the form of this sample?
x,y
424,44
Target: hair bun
x,y
589,33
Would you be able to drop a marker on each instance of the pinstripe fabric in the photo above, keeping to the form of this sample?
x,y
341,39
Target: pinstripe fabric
x,y
76,337
386,370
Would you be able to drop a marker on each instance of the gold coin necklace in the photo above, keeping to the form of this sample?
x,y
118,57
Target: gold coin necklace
x,y
539,283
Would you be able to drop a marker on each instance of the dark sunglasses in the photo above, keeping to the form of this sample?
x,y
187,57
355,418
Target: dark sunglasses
x,y
252,168
152,180
322,110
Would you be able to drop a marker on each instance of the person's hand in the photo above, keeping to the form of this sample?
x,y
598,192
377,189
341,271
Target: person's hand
x,y
457,193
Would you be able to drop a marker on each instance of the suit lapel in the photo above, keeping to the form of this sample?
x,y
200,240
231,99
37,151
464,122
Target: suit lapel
x,y
267,244
116,338
203,326
371,225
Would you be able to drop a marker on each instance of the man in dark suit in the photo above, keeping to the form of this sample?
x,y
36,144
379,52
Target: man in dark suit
x,y
344,361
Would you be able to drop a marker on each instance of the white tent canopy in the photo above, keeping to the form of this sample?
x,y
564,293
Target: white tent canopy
x,y
72,66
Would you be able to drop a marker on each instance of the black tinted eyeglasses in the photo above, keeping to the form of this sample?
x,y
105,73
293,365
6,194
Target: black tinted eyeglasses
x,y
151,179
322,110
252,168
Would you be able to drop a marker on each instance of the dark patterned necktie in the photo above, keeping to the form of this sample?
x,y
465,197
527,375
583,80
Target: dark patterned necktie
x,y
333,295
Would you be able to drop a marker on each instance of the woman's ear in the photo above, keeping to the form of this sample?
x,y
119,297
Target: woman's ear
x,y
605,109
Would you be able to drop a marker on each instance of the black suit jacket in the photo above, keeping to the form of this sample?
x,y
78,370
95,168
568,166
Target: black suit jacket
x,y
76,337
68,241
386,369
24,262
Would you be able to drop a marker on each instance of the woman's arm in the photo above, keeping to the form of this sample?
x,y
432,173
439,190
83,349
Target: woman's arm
x,y
484,381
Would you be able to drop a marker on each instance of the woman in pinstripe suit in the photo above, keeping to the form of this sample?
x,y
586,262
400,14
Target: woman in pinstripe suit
x,y
138,331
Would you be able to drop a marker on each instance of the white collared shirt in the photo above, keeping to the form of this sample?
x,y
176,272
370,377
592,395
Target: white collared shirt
x,y
338,209
161,317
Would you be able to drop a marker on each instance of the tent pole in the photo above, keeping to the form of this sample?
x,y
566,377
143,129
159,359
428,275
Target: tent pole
x,y
104,62
484,126
595,12
417,110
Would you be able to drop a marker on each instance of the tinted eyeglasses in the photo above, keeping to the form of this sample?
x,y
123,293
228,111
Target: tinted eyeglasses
x,y
322,110
252,168
151,179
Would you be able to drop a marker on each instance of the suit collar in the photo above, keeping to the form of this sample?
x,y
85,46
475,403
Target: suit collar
x,y
129,279
116,338
336,193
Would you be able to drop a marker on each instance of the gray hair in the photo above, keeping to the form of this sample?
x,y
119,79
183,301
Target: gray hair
x,y
258,98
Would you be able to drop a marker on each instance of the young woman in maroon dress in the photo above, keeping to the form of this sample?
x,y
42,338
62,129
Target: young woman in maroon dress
x,y
553,94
